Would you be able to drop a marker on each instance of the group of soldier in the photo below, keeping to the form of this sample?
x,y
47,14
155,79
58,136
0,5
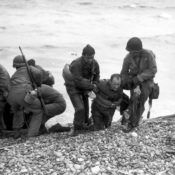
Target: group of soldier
x,y
28,95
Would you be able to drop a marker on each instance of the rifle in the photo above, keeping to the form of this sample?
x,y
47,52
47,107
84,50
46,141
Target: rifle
x,y
34,86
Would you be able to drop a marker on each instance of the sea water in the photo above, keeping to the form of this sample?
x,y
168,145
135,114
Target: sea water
x,y
54,33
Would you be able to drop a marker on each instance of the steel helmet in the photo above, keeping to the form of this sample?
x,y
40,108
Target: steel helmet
x,y
18,62
134,44
88,50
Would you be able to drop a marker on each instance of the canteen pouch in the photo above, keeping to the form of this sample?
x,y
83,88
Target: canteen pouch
x,y
155,91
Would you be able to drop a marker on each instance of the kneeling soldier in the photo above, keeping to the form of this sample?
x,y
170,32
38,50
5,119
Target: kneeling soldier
x,y
109,96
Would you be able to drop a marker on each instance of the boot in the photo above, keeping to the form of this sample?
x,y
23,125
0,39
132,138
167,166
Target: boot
x,y
59,128
73,132
2,124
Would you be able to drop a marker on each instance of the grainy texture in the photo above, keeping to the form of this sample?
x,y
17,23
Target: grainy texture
x,y
149,150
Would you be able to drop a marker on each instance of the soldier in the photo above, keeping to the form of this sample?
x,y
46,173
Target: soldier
x,y
54,104
4,88
140,67
47,77
80,78
22,98
109,97
20,84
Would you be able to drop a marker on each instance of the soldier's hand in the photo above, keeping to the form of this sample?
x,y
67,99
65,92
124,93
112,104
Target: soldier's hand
x,y
91,95
34,92
137,90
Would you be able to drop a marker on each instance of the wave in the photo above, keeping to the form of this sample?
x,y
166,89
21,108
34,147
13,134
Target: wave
x,y
85,3
132,6
136,6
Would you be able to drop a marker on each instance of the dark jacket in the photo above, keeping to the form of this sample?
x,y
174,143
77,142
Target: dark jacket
x,y
4,79
106,97
83,75
144,68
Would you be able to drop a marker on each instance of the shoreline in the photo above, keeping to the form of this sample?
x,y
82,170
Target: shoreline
x,y
142,152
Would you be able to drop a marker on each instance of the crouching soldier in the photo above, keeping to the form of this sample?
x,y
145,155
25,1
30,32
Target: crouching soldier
x,y
4,87
18,98
54,105
80,78
109,96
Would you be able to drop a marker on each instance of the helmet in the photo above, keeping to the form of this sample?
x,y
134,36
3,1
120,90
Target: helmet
x,y
88,50
134,44
18,61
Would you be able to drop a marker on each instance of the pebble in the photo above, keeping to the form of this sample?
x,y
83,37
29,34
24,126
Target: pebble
x,y
54,173
57,153
77,167
134,134
24,170
80,159
95,170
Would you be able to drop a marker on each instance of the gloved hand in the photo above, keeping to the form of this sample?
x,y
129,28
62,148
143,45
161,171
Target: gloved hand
x,y
34,92
91,95
95,89
137,90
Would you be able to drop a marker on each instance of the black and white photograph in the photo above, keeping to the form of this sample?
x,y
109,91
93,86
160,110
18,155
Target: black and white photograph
x,y
87,87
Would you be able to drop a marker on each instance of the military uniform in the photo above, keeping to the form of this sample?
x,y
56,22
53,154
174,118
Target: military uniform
x,y
105,103
78,87
141,70
4,88
20,84
54,104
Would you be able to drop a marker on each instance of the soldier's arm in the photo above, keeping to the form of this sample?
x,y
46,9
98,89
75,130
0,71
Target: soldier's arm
x,y
151,71
79,80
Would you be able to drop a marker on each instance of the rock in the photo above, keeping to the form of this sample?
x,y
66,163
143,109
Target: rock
x,y
54,173
162,173
24,170
77,167
95,170
80,159
57,153
134,134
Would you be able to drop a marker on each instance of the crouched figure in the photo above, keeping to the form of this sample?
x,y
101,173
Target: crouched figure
x,y
54,104
109,97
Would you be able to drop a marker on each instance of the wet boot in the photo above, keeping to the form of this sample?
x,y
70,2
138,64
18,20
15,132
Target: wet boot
x,y
73,132
2,124
16,134
59,128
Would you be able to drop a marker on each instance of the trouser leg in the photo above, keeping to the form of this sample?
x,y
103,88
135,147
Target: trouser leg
x,y
79,115
35,124
98,119
137,104
2,124
86,106
18,119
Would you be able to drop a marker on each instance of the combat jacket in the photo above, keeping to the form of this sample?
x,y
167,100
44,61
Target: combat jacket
x,y
4,79
83,76
143,67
